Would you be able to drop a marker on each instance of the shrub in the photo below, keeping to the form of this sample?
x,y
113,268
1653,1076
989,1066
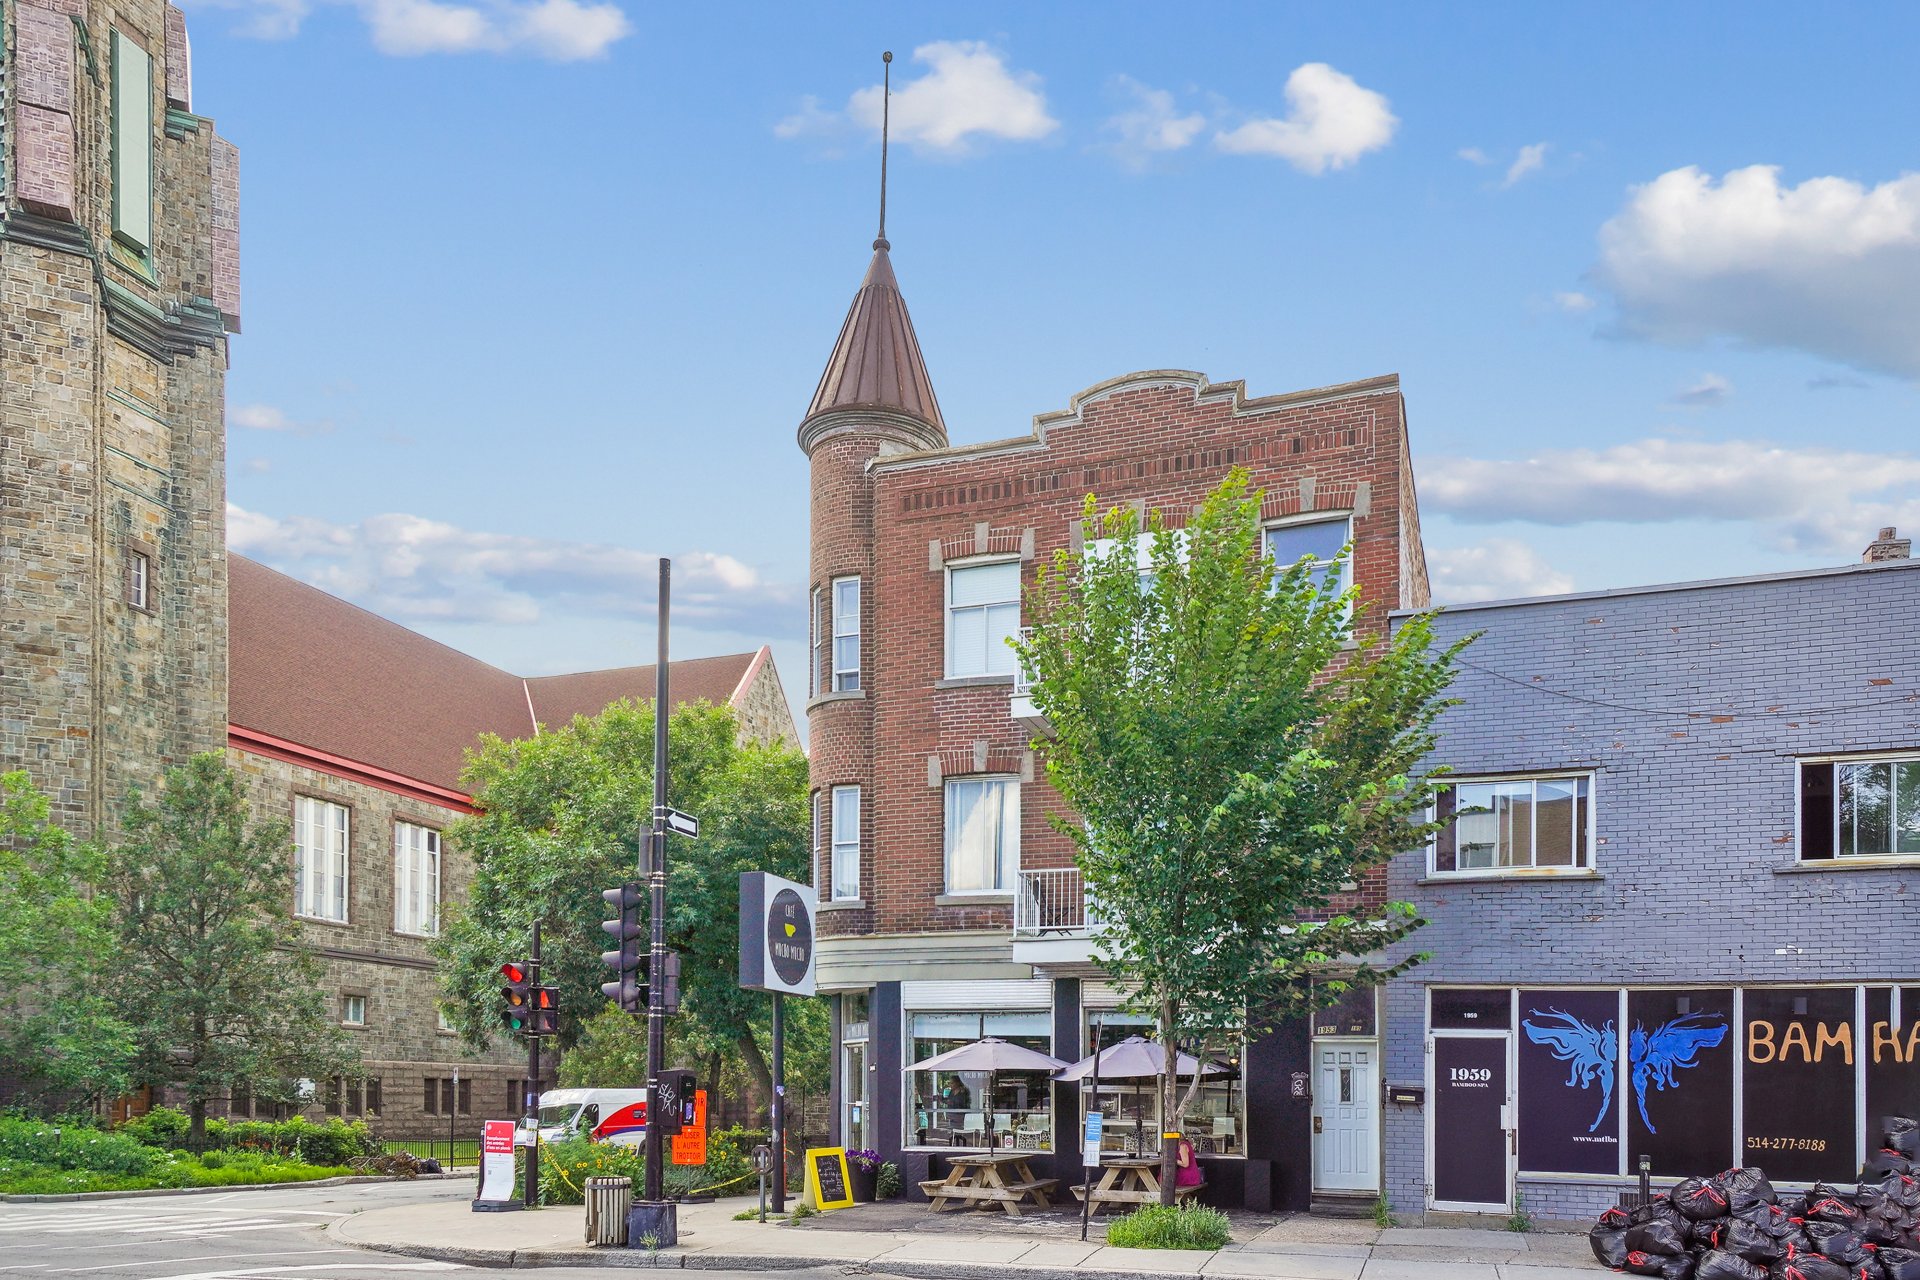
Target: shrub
x,y
1161,1226
58,1148
566,1166
886,1183
162,1127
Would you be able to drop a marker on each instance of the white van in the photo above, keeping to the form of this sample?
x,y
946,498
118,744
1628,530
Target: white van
x,y
604,1115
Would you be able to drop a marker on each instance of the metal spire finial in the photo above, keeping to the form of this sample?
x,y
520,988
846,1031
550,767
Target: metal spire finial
x,y
886,93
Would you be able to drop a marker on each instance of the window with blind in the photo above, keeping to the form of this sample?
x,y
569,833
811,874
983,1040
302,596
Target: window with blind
x,y
320,859
1860,808
846,635
983,614
983,834
1515,824
845,878
416,879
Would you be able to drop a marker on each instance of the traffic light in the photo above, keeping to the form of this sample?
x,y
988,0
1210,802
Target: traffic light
x,y
629,960
670,976
546,1011
517,991
676,1100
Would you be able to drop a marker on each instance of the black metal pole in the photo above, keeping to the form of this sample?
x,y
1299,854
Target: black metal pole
x,y
779,1104
1086,1170
532,1194
450,1128
657,905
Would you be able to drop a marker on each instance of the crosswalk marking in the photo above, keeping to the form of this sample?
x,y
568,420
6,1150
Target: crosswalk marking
x,y
243,1273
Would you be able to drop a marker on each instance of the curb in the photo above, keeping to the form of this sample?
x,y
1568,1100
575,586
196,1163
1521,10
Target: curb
x,y
350,1180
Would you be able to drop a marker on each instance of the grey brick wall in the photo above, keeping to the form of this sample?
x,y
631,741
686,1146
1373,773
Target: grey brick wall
x,y
1690,704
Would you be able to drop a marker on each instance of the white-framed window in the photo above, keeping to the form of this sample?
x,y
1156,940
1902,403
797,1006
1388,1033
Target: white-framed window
x,y
983,613
1318,539
139,579
441,1021
983,834
132,144
1541,823
416,879
844,878
846,635
1101,548
319,859
816,642
821,873
353,1010
1860,807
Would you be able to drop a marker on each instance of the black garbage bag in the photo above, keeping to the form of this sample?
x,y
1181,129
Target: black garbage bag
x,y
1659,1235
1794,1202
1841,1244
1902,1134
1718,1264
1745,1187
1883,1162
1903,1189
1640,1263
1609,1243
1706,1235
430,1165
1808,1267
1827,1206
1700,1199
1679,1267
1755,1244
1879,1230
1660,1206
1899,1264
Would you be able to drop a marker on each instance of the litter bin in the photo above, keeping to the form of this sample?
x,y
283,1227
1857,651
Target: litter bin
x,y
608,1200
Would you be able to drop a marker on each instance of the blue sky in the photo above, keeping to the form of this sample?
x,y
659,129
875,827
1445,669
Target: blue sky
x,y
536,290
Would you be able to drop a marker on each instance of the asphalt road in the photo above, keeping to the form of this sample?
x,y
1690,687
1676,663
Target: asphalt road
x,y
240,1235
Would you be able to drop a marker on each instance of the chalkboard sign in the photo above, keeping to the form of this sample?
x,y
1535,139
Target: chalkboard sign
x,y
827,1178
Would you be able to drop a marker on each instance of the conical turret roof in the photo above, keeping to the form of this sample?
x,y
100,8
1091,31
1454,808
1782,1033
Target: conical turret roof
x,y
876,364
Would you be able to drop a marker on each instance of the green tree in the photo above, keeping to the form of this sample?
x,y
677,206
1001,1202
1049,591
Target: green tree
x,y
212,974
1236,750
58,1032
561,817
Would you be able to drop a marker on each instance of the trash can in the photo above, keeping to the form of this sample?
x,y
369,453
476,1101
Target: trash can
x,y
608,1200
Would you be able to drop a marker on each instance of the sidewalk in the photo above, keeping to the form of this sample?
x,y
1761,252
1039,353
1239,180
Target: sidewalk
x,y
1295,1248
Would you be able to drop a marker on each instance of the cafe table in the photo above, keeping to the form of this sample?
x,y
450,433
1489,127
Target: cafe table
x,y
1002,1178
1129,1180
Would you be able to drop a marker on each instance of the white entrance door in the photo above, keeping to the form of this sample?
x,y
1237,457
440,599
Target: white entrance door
x,y
1346,1115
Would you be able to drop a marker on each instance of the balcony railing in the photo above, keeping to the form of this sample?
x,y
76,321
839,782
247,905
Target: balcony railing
x,y
1022,675
1053,904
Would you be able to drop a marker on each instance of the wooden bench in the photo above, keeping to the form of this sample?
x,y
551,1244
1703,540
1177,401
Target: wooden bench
x,y
1180,1195
979,1182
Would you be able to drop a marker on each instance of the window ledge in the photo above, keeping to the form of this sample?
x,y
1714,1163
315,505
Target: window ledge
x,y
841,904
1898,862
973,899
331,924
1510,876
968,682
822,699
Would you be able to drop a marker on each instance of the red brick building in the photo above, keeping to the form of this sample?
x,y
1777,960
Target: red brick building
x,y
949,907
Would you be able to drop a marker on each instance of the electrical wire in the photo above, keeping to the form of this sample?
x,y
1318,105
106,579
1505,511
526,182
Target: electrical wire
x,y
1688,712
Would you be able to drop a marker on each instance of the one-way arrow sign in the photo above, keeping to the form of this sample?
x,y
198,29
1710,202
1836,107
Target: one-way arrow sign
x,y
684,824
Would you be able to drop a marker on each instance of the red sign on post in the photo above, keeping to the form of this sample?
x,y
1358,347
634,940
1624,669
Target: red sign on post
x,y
690,1144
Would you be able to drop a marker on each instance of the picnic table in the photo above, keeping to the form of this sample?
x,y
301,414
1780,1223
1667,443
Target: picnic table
x,y
1000,1178
1129,1180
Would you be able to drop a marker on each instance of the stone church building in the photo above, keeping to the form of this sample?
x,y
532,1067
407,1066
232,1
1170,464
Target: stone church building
x,y
130,639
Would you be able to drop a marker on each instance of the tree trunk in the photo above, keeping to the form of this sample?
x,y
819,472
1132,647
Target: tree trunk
x,y
759,1079
197,1124
1169,1093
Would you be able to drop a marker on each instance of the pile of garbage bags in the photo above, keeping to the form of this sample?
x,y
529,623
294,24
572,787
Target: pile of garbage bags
x,y
1734,1226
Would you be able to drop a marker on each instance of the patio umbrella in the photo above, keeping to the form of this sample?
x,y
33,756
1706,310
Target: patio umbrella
x,y
1137,1058
991,1055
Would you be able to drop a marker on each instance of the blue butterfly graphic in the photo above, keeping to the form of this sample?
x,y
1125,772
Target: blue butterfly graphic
x,y
1593,1051
1675,1044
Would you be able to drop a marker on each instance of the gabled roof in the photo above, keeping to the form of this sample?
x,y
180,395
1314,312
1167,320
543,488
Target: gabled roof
x,y
876,363
311,669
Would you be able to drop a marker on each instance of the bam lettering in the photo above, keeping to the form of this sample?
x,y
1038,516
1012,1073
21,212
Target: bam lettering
x,y
1765,1045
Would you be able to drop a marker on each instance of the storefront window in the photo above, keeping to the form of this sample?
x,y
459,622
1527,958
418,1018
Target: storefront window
x,y
955,1108
1216,1123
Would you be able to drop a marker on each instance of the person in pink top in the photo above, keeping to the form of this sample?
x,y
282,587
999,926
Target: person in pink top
x,y
1186,1170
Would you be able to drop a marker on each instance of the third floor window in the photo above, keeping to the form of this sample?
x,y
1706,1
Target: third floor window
x,y
983,613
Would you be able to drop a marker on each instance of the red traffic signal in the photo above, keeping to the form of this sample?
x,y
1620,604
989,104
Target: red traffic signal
x,y
546,1011
518,994
513,973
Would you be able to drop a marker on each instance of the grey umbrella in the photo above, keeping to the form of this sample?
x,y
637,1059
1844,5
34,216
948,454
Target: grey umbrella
x,y
1137,1058
991,1055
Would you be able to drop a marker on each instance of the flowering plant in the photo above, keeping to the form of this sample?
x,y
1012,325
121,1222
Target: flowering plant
x,y
864,1160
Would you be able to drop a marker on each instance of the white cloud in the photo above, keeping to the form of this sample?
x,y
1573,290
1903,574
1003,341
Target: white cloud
x,y
559,30
967,93
1709,390
266,417
1812,499
1497,569
1573,302
1829,267
1474,155
1150,124
410,567
1531,157
258,466
1331,122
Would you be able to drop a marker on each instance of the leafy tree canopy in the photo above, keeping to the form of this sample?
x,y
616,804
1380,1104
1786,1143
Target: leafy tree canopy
x,y
561,818
211,973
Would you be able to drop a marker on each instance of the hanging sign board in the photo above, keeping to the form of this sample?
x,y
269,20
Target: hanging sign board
x,y
776,934
690,1144
827,1178
496,1168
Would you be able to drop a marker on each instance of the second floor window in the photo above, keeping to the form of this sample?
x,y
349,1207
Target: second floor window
x,y
1320,541
983,834
319,859
846,635
983,613
845,873
353,1010
1860,808
1515,824
416,879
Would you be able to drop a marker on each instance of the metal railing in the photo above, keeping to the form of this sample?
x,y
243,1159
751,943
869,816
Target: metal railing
x,y
1053,903
1023,681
